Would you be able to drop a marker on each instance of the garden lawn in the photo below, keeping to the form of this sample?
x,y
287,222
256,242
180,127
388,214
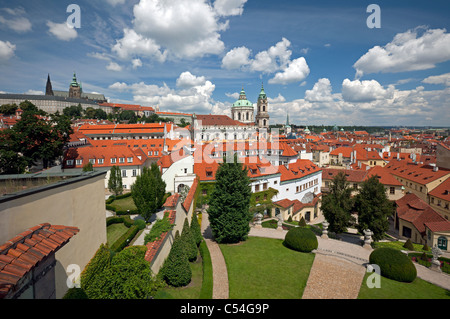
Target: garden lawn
x,y
262,268
399,246
114,231
391,289
124,204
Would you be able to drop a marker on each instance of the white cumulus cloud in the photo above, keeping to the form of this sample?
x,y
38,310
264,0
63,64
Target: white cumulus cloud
x,y
365,91
229,7
296,71
62,31
408,51
6,50
438,79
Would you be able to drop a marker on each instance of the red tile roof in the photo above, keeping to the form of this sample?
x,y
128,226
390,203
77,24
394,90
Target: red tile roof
x,y
298,169
418,173
22,253
172,200
219,120
442,191
190,196
414,210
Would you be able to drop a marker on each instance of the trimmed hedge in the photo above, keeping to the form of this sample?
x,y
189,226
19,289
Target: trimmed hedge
x,y
301,239
125,239
207,283
394,264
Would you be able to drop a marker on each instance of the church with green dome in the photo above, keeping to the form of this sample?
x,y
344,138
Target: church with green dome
x,y
244,111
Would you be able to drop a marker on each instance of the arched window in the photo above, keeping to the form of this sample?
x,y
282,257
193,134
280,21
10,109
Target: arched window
x,y
265,122
239,116
247,116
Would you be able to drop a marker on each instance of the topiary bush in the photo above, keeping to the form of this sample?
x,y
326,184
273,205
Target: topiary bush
x,y
394,264
408,245
301,239
176,270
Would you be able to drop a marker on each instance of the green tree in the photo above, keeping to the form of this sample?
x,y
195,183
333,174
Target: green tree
x,y
115,185
195,229
148,191
373,207
35,137
160,185
176,270
228,212
8,109
88,167
337,204
73,111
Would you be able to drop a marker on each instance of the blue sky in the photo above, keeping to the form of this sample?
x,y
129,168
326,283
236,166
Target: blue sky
x,y
318,60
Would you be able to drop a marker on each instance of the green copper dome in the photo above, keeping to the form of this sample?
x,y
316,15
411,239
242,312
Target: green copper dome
x,y
262,94
74,80
242,100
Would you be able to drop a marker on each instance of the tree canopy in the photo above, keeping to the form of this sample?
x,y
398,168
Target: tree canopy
x,y
337,204
228,212
373,207
35,136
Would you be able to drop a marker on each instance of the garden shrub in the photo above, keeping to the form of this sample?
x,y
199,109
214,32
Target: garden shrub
x,y
301,239
159,227
302,222
195,229
176,270
394,264
125,239
189,242
75,293
140,223
408,245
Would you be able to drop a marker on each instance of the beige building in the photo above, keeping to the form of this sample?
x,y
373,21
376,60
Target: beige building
x,y
77,201
417,221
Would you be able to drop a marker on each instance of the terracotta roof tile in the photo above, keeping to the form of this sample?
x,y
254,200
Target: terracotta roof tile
x,y
23,252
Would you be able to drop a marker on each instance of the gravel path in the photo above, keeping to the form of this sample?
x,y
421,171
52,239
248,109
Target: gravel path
x,y
220,273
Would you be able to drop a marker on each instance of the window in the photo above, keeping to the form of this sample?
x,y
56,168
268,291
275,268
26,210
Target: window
x,y
185,170
355,186
69,162
134,173
150,153
79,161
113,160
130,160
204,192
100,160
392,190
92,161
156,153
406,232
122,160
256,188
124,173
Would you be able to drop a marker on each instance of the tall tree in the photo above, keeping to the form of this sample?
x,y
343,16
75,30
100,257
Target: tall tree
x,y
159,185
373,207
228,212
148,191
337,204
35,137
115,185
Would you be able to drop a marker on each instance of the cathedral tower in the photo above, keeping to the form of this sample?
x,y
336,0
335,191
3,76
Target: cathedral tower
x,y
48,87
75,88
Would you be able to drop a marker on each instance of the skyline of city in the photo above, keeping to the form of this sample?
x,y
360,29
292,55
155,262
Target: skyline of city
x,y
320,61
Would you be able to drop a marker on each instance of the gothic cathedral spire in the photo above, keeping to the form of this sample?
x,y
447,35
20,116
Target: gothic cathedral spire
x,y
48,87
